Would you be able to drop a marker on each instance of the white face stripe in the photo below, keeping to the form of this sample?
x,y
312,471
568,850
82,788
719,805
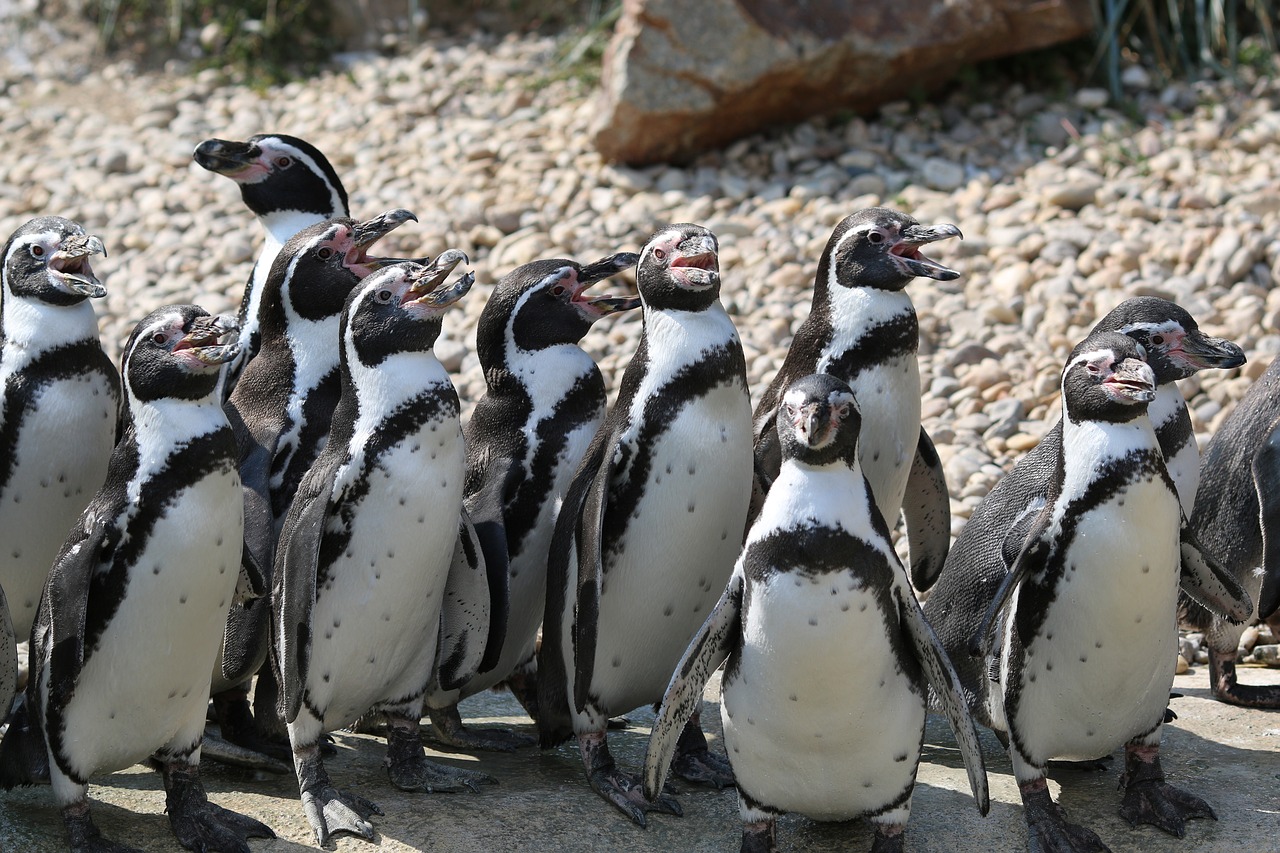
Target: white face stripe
x,y
48,239
273,145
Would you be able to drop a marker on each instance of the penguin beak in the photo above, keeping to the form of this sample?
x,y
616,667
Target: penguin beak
x,y
366,234
235,160
600,306
811,422
906,251
695,264
202,346
70,268
1198,351
426,290
1132,381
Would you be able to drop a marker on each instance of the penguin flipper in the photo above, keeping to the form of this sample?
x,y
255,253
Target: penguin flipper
x,y
486,508
1027,536
715,641
257,450
464,611
8,659
293,583
1211,586
59,631
590,547
945,682
1266,480
927,509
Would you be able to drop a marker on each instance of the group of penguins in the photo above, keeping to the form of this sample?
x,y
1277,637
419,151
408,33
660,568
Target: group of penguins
x,y
291,495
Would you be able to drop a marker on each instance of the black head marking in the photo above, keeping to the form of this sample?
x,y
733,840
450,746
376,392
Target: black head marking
x,y
399,308
277,173
880,248
679,269
1107,379
176,351
1176,348
818,421
48,259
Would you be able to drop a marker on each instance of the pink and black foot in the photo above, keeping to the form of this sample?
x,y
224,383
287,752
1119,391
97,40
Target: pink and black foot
x,y
410,770
695,762
1048,830
1149,799
199,824
624,790
83,833
1225,687
447,727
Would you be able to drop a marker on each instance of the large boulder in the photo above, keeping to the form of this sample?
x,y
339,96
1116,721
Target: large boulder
x,y
681,77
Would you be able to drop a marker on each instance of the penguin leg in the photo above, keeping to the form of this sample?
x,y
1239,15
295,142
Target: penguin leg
x,y
240,729
523,684
446,725
198,823
759,826
624,790
1048,830
694,762
891,827
328,809
1225,687
407,764
83,833
1148,798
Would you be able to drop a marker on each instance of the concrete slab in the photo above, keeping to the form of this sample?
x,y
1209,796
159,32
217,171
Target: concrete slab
x,y
1230,756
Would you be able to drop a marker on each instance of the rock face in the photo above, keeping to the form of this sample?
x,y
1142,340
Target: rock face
x,y
680,77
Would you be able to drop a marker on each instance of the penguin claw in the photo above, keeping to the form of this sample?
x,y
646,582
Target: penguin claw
x,y
1163,806
447,728
706,767
211,827
1049,831
331,811
626,793
426,776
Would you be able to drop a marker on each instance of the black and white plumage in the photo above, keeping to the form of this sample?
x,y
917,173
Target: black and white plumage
x,y
288,185
1079,641
132,614
652,523
59,401
280,411
975,566
863,329
376,588
817,578
1237,520
8,658
544,401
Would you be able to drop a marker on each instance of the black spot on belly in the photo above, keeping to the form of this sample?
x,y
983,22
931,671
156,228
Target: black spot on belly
x,y
325,677
402,501
182,599
792,697
862,607
875,457
900,758
173,693
813,620
1138,619
1084,658
17,554
617,662
844,608
1146,570
690,506
1032,678
1048,666
668,610
44,482
866,784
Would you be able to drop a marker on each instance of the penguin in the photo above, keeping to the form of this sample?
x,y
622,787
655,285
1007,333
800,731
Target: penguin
x,y
862,328
1080,639
59,401
288,184
652,522
1175,349
1236,516
544,401
280,411
131,616
8,659
818,571
375,590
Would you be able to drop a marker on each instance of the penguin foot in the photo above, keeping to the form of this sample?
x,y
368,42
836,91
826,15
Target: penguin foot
x,y
410,770
760,837
1149,799
1048,830
1225,687
1096,765
523,684
328,810
624,790
704,766
238,727
216,749
890,838
447,727
200,824
371,723
84,834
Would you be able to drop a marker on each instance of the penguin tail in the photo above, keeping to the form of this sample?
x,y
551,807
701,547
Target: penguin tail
x,y
24,760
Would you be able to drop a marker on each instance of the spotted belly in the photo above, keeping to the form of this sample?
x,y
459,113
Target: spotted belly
x,y
888,398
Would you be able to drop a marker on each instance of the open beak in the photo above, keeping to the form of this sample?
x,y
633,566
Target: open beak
x,y
600,306
427,288
369,232
1132,381
696,263
906,251
70,265
204,342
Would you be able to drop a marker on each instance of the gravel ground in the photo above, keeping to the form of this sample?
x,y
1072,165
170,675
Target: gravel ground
x,y
1067,204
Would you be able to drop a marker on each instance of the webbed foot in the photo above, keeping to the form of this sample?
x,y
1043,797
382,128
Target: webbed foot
x,y
624,790
890,838
1225,687
84,834
760,837
1149,799
410,770
328,810
202,825
447,727
240,729
695,762
1048,830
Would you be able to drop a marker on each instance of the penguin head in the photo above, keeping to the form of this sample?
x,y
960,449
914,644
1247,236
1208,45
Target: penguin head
x,y
679,269
1107,378
177,351
277,174
48,259
1176,348
545,303
318,268
399,308
818,421
880,248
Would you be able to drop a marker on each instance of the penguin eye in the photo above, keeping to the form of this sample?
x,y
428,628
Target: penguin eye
x,y
875,236
324,253
1157,339
843,411
37,251
160,338
284,162
384,296
660,254
558,290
